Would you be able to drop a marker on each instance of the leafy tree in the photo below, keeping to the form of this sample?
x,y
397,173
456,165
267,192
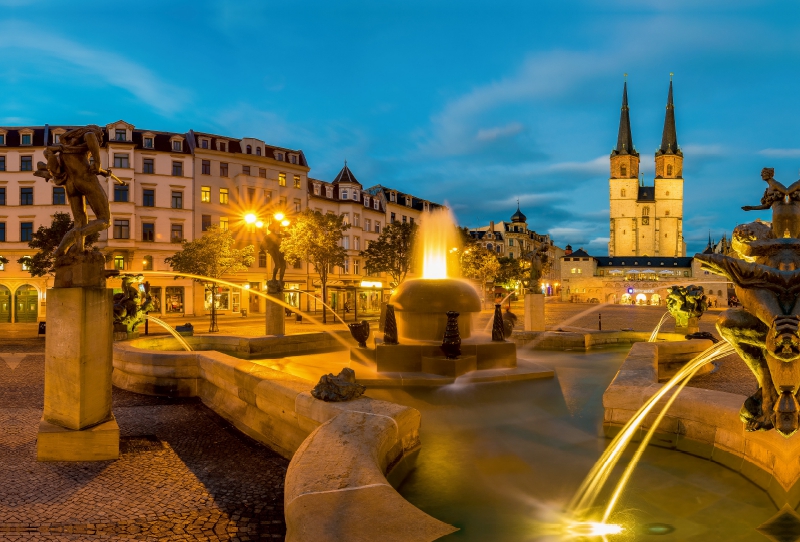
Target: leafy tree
x,y
512,271
212,256
45,241
316,238
479,264
393,252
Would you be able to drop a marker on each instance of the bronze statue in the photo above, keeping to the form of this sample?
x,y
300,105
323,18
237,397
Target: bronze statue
x,y
272,246
686,302
68,165
130,306
765,271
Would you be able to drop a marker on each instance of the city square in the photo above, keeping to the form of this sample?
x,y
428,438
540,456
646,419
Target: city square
x,y
366,272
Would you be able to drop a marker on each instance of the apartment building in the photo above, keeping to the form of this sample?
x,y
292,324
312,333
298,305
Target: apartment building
x,y
177,185
401,206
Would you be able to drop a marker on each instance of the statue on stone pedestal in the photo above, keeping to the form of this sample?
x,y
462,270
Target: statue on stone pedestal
x,y
685,303
765,271
272,246
68,165
130,306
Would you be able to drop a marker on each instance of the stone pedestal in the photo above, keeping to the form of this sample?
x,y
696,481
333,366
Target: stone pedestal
x,y
440,365
77,424
275,318
692,327
534,312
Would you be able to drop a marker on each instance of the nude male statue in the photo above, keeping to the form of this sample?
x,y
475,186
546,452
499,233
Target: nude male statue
x,y
272,246
68,165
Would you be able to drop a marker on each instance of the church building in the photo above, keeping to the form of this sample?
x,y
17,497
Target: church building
x,y
646,220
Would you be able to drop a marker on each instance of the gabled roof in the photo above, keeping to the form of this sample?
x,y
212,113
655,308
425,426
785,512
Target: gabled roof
x,y
580,253
346,176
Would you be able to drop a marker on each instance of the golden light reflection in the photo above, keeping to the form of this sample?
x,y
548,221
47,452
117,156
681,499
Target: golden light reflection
x,y
593,528
284,223
279,216
437,237
259,224
250,218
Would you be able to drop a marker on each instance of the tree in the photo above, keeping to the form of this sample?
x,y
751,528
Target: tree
x,y
393,252
316,238
45,241
212,256
512,271
479,264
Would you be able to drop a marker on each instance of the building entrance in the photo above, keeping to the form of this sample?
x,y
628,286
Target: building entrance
x,y
26,301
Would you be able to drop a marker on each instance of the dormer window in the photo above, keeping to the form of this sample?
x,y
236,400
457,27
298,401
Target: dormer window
x,y
329,191
376,204
279,156
293,158
177,145
258,151
408,201
316,190
344,193
366,201
148,143
355,195
425,206
26,139
204,143
56,138
392,196
120,134
223,146
249,150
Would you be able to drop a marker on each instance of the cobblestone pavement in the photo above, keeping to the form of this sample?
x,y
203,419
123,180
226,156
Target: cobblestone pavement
x,y
184,473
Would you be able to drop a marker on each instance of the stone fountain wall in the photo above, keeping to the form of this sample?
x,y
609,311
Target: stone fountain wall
x,y
341,453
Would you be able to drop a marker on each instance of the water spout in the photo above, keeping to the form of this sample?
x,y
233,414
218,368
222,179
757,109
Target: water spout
x,y
174,333
654,334
438,237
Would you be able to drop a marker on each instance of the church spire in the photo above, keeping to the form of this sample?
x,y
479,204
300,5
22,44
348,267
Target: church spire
x,y
669,138
624,137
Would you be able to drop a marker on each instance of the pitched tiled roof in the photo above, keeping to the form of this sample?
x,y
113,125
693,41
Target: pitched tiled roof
x,y
643,261
346,176
416,203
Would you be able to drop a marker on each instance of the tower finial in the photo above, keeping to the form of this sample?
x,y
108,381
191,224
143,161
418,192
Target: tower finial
x,y
626,77
670,76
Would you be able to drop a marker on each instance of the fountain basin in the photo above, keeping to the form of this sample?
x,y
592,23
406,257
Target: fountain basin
x,y
420,306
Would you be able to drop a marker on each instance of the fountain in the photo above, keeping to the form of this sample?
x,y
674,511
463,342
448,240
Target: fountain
x,y
432,307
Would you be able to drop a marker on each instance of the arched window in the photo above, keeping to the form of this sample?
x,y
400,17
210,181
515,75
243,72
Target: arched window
x,y
622,193
669,169
258,151
623,171
490,246
249,149
646,211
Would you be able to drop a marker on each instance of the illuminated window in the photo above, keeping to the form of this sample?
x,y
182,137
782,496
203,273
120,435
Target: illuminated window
x,y
297,183
223,195
119,263
223,224
205,194
147,263
282,179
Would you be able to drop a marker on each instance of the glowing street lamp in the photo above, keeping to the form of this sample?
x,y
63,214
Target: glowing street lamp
x,y
284,223
279,216
250,218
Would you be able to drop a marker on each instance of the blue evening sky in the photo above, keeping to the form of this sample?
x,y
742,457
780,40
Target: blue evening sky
x,y
470,103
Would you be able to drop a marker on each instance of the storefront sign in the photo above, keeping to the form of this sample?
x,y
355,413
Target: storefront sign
x,y
371,284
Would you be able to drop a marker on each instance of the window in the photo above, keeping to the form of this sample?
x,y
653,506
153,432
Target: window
x,y
356,267
59,195
120,134
223,195
176,233
173,302
26,139
646,211
344,193
2,139
408,201
120,192
205,167
377,227
246,170
122,228
293,159
251,195
262,259
367,224
258,151
366,201
267,196
511,242
2,196
376,204
177,200
223,146
177,146
346,218
204,143
223,169
297,183
206,222
2,231
148,166
669,169
148,231
282,201
205,194
177,169
148,197
623,171
317,190
411,220
2,163
282,179
148,143
262,172
26,196
119,263
356,243
329,191
25,231
297,205
393,218
223,224
279,156
249,149
356,220
622,193
26,163
147,263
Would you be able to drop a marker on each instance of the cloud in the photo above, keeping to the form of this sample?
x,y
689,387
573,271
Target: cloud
x,y
699,150
490,134
34,47
780,153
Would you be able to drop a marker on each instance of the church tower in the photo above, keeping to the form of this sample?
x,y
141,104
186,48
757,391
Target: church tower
x,y
669,188
623,185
